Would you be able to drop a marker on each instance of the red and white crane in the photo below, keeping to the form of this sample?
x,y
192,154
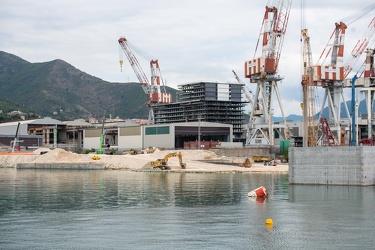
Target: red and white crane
x,y
367,41
151,88
364,80
262,70
330,76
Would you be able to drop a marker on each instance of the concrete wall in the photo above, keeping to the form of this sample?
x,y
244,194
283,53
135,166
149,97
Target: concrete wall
x,y
368,165
242,152
130,142
92,142
332,165
162,141
61,165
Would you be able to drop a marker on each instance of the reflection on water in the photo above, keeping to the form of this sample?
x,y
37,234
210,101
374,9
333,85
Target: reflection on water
x,y
71,190
64,209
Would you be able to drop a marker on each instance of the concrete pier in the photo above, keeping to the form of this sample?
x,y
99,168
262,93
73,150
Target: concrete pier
x,y
62,165
332,165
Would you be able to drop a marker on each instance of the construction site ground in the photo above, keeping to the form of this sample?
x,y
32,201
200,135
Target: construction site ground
x,y
196,161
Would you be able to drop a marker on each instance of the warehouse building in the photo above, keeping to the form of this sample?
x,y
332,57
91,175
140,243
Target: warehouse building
x,y
190,135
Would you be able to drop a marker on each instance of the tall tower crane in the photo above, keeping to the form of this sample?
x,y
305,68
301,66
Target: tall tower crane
x,y
331,76
365,83
151,88
310,135
262,70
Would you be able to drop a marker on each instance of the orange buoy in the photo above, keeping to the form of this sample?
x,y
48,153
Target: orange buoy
x,y
258,192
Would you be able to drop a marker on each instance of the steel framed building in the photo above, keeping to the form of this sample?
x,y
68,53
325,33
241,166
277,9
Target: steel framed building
x,y
206,102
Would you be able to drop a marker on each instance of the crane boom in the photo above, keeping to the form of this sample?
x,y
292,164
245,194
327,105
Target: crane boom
x,y
135,64
248,98
151,88
360,47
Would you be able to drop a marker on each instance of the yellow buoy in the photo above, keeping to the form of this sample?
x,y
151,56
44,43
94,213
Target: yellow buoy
x,y
269,222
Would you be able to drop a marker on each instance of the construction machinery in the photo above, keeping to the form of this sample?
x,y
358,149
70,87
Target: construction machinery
x,y
151,88
257,158
150,150
163,163
310,135
331,75
262,70
363,79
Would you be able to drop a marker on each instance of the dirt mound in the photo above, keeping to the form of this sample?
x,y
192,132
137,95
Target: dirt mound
x,y
60,155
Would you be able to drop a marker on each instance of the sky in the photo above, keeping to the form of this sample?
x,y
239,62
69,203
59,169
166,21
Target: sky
x,y
193,40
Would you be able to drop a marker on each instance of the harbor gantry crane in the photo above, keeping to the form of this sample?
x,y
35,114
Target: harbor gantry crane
x,y
364,80
331,76
262,70
151,88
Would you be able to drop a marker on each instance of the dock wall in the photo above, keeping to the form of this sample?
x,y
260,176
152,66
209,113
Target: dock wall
x,y
242,152
62,165
332,165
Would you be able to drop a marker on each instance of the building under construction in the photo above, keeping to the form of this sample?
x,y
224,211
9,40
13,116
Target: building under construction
x,y
206,102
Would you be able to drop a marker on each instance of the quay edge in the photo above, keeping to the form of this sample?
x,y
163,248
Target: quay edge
x,y
332,165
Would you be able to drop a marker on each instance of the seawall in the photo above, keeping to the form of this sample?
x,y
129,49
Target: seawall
x,y
332,165
61,165
241,152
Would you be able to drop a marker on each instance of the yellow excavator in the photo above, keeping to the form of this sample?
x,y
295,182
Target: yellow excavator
x,y
163,163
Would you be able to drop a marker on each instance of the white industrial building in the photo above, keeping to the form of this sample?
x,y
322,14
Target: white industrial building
x,y
172,135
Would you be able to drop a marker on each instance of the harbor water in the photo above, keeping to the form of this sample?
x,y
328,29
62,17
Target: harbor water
x,y
99,209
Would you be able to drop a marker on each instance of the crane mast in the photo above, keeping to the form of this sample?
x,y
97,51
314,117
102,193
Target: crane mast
x,y
262,70
151,88
309,111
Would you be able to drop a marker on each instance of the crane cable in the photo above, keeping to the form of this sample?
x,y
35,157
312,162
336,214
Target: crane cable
x,y
358,15
146,56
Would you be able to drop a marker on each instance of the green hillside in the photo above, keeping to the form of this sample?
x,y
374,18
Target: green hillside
x,y
59,90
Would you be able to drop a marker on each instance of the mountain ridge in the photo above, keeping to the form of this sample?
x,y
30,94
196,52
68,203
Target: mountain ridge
x,y
58,89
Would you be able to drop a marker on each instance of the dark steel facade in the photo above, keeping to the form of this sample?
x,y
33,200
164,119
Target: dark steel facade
x,y
205,101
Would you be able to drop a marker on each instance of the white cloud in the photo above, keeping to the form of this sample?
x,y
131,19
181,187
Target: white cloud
x,y
193,40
